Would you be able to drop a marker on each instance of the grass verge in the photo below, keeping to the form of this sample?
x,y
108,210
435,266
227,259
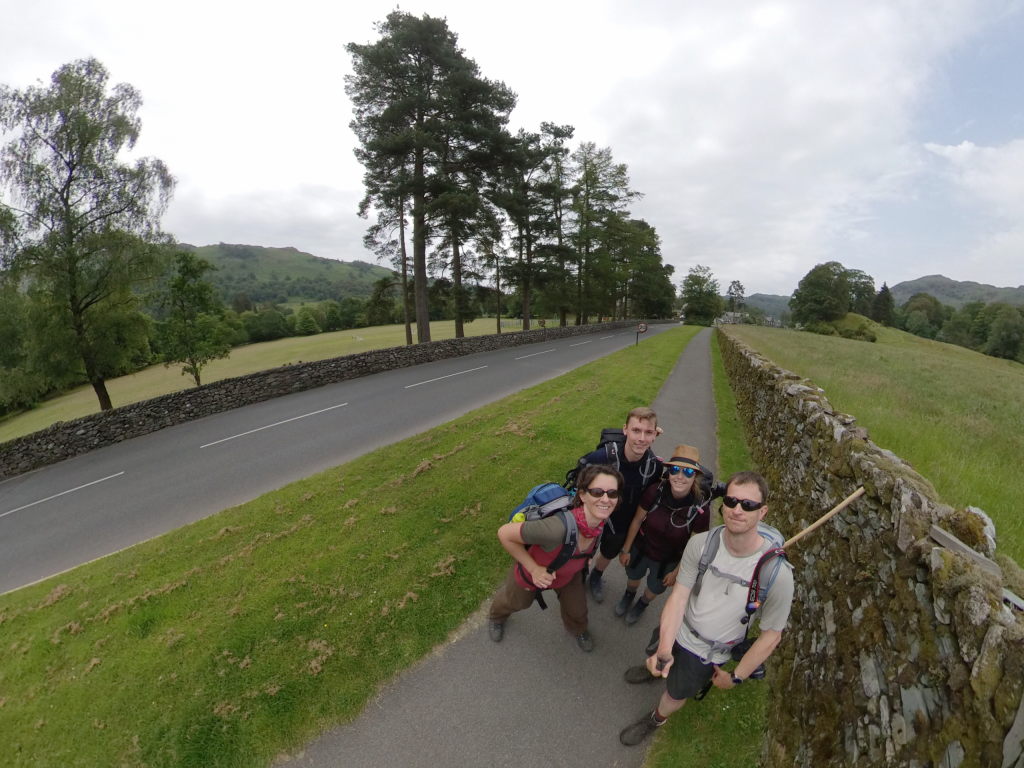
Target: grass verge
x,y
161,380
245,634
725,729
954,414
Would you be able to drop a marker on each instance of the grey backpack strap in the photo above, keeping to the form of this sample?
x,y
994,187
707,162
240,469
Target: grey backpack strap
x,y
569,543
710,550
612,448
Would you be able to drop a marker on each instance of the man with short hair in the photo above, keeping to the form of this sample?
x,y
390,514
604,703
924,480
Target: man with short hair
x,y
696,635
639,467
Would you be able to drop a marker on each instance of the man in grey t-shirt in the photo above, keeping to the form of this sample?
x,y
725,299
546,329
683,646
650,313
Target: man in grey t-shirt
x,y
696,635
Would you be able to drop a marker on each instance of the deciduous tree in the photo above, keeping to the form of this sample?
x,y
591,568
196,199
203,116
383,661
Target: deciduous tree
x,y
702,302
191,332
736,296
88,220
823,295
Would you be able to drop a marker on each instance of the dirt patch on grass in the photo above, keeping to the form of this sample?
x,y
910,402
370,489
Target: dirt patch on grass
x,y
57,594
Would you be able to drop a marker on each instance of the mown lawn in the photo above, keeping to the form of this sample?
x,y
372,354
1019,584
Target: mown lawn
x,y
954,414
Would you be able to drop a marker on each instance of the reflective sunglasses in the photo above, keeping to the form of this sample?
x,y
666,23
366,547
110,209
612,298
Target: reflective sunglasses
x,y
597,493
747,504
687,471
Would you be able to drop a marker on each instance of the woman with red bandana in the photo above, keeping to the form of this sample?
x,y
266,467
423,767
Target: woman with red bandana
x,y
535,544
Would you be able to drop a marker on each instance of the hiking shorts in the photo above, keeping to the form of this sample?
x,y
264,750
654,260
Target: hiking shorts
x,y
641,564
611,543
688,674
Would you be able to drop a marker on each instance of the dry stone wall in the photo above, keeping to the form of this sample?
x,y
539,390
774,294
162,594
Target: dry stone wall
x,y
66,439
901,650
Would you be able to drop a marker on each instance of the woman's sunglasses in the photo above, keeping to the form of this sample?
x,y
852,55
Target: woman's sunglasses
x,y
686,471
748,504
597,493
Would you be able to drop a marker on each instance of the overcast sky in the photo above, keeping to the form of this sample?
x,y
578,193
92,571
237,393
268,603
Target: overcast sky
x,y
766,137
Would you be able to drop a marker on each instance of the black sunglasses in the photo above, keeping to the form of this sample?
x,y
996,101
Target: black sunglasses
x,y
597,493
687,471
748,504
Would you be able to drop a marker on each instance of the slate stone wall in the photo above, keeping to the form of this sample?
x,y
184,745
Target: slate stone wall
x,y
66,439
900,651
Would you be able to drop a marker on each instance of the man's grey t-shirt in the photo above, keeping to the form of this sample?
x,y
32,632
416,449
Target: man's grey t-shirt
x,y
718,608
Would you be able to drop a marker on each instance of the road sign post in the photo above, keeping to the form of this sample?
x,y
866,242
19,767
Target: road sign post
x,y
641,328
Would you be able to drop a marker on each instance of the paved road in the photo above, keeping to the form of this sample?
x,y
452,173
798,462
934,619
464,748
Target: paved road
x,y
61,516
533,699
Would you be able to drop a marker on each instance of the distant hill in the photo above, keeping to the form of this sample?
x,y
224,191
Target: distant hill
x,y
955,293
286,274
771,305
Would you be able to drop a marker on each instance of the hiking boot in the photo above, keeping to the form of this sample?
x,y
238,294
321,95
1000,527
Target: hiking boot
x,y
596,587
623,605
633,734
636,611
640,674
496,629
585,641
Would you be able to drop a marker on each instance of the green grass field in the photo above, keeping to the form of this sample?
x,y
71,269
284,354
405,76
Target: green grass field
x,y
242,636
160,380
954,414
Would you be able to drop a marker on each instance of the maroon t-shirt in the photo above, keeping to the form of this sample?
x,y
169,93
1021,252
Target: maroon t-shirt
x,y
670,522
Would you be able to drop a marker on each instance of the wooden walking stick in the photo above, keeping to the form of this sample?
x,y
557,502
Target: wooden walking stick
x,y
826,517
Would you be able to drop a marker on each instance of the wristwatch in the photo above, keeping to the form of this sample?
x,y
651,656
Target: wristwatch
x,y
736,680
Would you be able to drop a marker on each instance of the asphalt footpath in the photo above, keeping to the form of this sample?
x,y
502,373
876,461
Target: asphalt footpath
x,y
535,697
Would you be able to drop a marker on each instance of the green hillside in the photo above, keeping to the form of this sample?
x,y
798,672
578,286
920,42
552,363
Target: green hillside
x,y
770,304
286,274
956,293
954,414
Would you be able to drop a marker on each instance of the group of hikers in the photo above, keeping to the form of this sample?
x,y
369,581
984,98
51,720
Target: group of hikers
x,y
654,516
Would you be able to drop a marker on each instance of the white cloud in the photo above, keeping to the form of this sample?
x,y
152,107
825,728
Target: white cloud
x,y
766,136
991,183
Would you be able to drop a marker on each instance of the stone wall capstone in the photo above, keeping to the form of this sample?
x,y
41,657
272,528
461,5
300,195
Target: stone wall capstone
x,y
72,438
899,651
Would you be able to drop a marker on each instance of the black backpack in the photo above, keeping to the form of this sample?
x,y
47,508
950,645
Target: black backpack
x,y
613,441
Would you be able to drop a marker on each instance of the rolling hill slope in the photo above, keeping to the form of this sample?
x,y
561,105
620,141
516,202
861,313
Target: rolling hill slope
x,y
286,274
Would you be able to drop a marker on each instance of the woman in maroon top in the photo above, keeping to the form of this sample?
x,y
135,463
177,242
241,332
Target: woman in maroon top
x,y
668,514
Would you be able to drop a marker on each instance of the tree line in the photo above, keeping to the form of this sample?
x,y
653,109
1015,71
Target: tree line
x,y
829,291
500,224
480,204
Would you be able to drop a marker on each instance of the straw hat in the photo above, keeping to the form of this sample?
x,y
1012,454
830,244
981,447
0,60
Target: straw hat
x,y
685,456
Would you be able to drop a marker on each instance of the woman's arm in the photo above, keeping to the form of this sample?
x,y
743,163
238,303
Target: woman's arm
x,y
511,537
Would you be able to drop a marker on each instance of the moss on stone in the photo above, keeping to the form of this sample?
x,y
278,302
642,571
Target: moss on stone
x,y
967,527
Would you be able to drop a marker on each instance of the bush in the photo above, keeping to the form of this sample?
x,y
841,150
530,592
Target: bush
x,y
825,329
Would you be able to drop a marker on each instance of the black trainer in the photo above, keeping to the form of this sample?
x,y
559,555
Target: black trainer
x,y
623,605
636,611
585,641
496,630
633,734
640,674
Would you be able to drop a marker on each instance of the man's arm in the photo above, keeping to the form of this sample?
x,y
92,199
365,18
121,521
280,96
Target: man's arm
x,y
634,528
511,537
671,620
756,655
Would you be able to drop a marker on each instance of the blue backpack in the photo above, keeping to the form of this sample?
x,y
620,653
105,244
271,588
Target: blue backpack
x,y
543,501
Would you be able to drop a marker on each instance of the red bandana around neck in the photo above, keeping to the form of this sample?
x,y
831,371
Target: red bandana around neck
x,y
586,530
